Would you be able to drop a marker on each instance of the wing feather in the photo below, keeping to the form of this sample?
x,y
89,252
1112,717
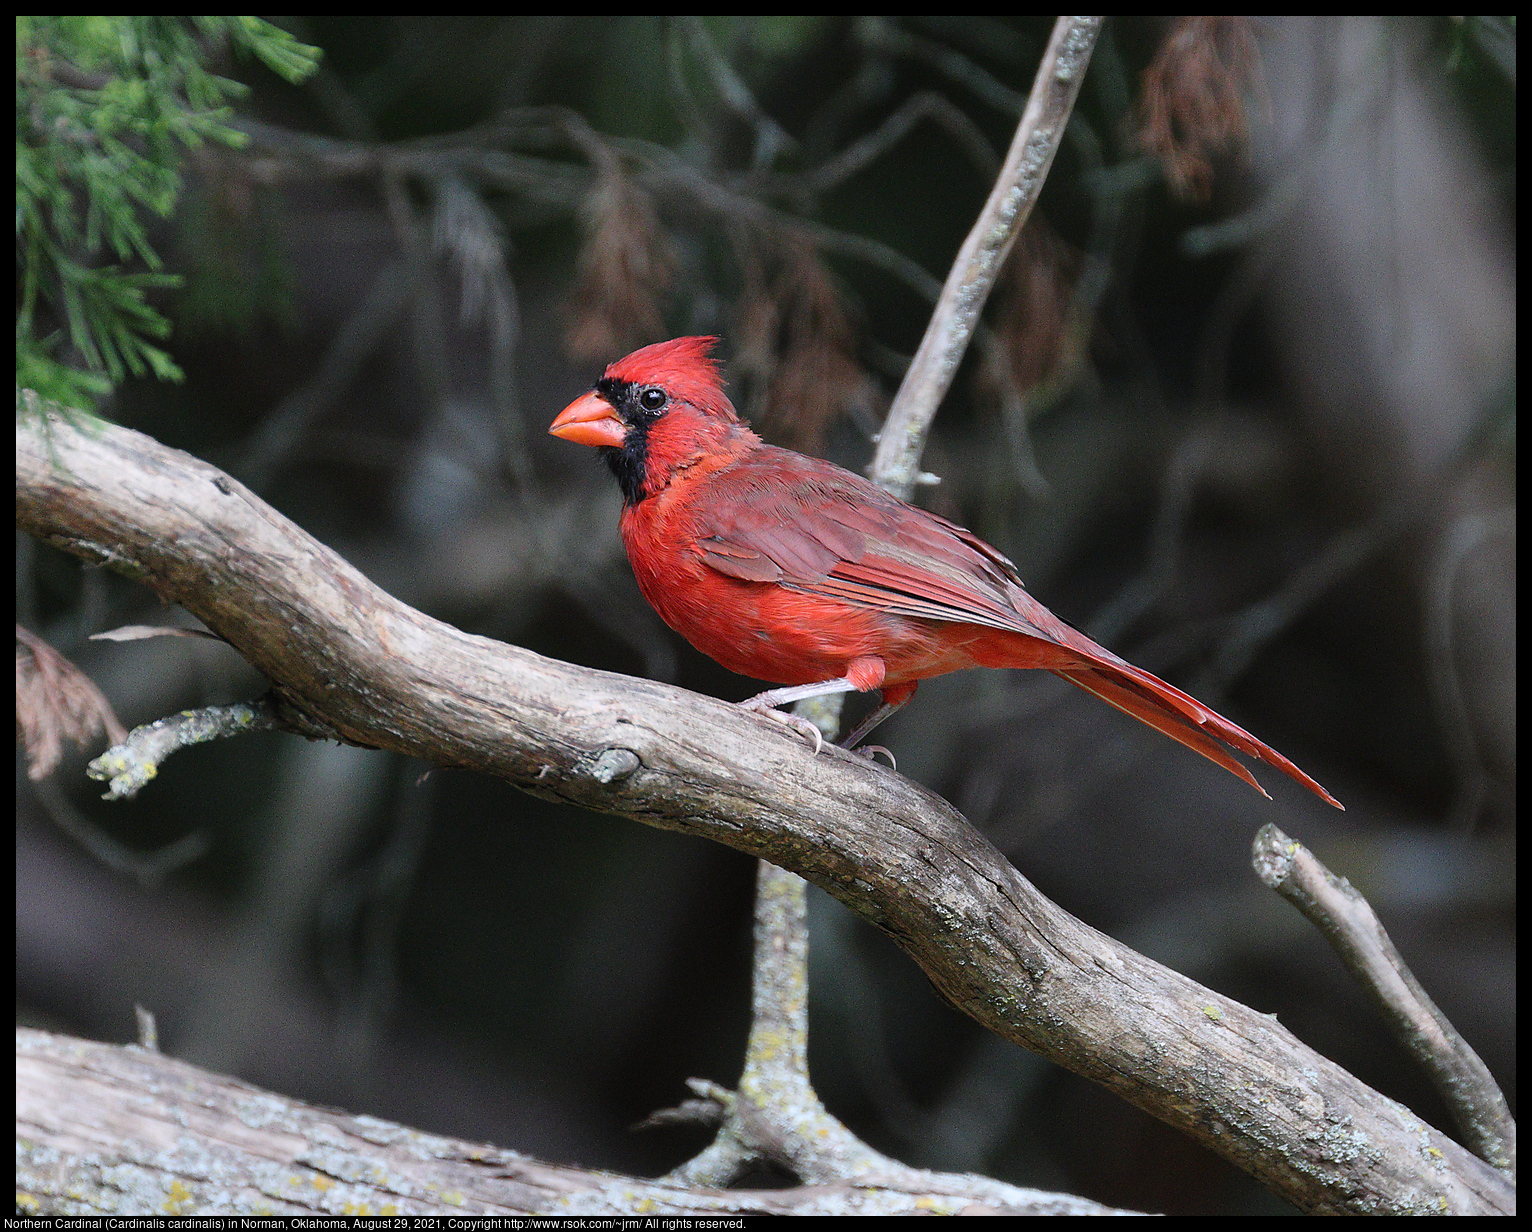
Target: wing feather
x,y
780,517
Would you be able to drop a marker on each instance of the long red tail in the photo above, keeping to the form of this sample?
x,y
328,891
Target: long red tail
x,y
1183,718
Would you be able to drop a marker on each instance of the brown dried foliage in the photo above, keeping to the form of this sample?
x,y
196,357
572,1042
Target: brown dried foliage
x,y
624,270
1035,315
795,340
1192,108
55,700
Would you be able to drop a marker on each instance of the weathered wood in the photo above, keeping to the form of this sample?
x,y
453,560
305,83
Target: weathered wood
x,y
104,1130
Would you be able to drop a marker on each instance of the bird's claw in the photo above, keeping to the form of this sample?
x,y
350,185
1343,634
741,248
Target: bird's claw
x,y
869,750
796,722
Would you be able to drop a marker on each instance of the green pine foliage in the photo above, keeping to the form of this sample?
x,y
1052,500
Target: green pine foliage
x,y
105,108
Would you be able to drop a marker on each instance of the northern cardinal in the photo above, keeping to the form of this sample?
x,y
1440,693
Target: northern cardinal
x,y
790,569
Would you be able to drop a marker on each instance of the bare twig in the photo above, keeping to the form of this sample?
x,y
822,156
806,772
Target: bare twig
x,y
148,1029
1252,628
956,67
354,343
1350,925
1178,490
148,868
560,185
770,137
896,464
979,261
866,149
135,761
775,1116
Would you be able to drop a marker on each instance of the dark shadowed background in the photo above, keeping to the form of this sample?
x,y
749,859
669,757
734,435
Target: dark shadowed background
x,y
1243,412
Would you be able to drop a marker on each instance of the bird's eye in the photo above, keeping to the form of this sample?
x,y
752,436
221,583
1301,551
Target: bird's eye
x,y
652,399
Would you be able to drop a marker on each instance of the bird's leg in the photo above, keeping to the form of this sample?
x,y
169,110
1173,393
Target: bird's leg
x,y
861,675
766,703
864,728
895,697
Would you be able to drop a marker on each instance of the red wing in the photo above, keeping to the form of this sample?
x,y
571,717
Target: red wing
x,y
780,517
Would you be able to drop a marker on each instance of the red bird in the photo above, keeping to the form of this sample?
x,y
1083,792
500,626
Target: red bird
x,y
789,569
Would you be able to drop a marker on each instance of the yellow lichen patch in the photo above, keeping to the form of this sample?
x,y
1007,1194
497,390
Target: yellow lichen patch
x,y
178,1200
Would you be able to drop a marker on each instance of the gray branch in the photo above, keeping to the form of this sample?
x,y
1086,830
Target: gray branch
x,y
1353,929
106,1130
978,262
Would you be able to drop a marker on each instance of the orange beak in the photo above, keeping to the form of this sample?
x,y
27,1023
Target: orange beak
x,y
590,420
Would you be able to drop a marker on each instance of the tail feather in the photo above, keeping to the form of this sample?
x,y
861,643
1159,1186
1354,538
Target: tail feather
x,y
1184,719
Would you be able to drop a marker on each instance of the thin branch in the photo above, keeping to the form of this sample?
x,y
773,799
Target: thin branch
x,y
984,251
774,1116
148,868
868,148
134,762
896,463
293,419
1353,929
1178,491
885,35
562,185
1253,628
770,137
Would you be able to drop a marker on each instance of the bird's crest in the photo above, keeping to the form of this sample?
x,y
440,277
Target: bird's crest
x,y
683,368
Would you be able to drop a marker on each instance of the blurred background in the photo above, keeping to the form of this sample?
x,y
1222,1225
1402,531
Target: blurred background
x,y
1242,408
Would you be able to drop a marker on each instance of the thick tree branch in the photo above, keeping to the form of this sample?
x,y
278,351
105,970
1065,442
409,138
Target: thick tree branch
x,y
106,1130
349,661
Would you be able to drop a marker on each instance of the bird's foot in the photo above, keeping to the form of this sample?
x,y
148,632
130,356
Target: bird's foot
x,y
762,705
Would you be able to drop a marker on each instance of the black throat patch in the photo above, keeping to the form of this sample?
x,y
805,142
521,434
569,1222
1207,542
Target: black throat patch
x,y
629,460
